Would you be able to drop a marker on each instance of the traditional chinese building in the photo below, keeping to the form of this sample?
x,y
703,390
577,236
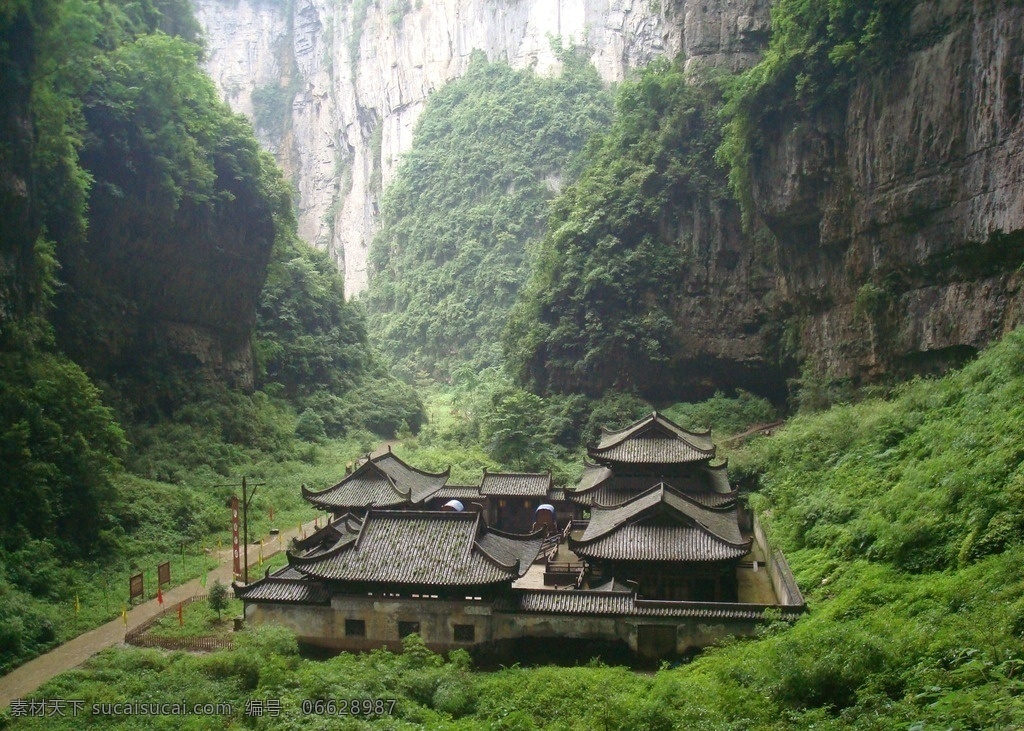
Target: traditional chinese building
x,y
662,517
651,550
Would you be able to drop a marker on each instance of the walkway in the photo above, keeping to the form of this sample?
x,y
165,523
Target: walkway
x,y
25,679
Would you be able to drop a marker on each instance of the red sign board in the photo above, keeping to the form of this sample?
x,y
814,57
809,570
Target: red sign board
x,y
235,554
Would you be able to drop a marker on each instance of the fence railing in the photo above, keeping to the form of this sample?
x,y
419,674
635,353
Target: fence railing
x,y
139,634
192,644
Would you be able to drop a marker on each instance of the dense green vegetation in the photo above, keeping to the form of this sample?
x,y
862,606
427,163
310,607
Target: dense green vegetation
x,y
115,452
816,51
598,312
312,348
484,420
903,523
468,205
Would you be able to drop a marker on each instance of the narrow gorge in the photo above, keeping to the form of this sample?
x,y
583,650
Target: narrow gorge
x,y
884,224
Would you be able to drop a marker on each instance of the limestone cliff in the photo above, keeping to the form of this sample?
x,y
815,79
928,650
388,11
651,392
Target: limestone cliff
x,y
894,219
335,88
900,216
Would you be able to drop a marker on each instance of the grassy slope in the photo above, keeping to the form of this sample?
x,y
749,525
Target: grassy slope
x,y
902,520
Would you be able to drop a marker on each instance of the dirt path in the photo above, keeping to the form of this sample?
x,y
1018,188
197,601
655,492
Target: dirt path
x,y
25,679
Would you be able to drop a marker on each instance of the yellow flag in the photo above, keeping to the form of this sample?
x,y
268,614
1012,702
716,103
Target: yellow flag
x,y
78,607
124,614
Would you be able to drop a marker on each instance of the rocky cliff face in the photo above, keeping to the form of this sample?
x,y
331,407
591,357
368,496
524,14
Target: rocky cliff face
x,y
900,218
21,225
335,89
894,221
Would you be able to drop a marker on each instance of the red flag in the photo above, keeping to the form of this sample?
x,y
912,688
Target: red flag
x,y
181,620
159,595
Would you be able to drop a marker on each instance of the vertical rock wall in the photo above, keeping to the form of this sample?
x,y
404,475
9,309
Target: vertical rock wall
x,y
351,78
900,216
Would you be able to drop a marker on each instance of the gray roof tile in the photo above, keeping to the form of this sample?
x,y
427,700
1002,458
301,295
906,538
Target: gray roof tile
x,y
614,491
625,533
424,548
285,586
626,604
639,542
384,481
653,440
516,484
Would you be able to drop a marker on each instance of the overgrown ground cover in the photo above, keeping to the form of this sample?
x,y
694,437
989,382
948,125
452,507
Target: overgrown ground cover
x,y
115,453
151,521
902,520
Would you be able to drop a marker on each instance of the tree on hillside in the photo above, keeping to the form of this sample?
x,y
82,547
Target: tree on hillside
x,y
218,598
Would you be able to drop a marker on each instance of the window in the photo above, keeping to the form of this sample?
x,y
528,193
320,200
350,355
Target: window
x,y
465,633
355,628
408,628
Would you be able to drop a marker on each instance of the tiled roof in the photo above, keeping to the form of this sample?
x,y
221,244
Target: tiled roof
x,y
615,585
420,484
509,549
653,440
719,474
328,535
457,492
517,484
384,481
573,602
618,490
285,586
593,475
721,523
640,542
424,548
624,532
626,604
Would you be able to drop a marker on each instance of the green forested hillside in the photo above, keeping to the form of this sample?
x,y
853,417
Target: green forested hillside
x,y
902,520
151,248
468,205
599,309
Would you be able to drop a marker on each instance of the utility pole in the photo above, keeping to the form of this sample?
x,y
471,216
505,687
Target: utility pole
x,y
246,499
245,526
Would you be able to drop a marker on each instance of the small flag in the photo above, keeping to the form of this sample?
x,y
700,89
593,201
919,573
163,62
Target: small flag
x,y
261,552
159,595
124,614
202,580
181,619
78,608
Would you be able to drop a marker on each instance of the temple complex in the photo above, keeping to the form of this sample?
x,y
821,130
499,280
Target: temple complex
x,y
653,549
